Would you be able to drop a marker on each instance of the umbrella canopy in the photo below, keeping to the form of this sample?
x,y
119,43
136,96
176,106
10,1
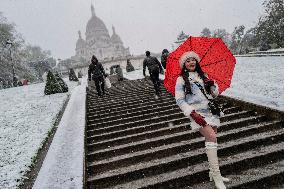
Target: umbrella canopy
x,y
216,60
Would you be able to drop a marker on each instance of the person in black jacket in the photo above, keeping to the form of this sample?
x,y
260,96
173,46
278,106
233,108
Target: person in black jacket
x,y
119,73
154,67
97,73
165,54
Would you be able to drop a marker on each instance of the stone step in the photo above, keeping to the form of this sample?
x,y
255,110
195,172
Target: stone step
x,y
136,141
126,94
91,134
173,119
131,89
196,173
172,139
124,120
114,132
151,104
260,177
105,115
132,85
128,105
138,136
145,121
153,118
237,115
266,176
119,119
110,102
135,85
139,157
131,113
232,109
126,91
124,98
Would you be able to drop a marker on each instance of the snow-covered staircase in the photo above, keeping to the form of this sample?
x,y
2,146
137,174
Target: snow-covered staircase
x,y
136,141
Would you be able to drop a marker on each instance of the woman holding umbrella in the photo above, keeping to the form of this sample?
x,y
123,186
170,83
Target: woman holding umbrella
x,y
193,90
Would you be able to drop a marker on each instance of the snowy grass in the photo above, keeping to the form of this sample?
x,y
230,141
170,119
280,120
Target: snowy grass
x,y
27,115
259,80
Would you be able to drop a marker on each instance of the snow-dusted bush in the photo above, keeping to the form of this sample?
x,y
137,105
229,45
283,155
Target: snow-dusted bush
x,y
61,82
72,75
52,85
129,66
80,75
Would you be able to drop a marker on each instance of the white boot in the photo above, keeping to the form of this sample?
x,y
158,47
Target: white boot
x,y
211,151
223,178
210,171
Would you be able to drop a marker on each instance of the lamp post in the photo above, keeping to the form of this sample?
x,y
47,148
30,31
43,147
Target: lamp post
x,y
10,44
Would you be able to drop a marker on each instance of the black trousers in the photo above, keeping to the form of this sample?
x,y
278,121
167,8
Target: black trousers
x,y
154,75
100,85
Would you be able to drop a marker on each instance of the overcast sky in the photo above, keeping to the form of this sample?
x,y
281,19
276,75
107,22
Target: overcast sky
x,y
142,24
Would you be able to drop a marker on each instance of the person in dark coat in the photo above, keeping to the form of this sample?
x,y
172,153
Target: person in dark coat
x,y
154,67
119,73
129,67
97,73
165,54
111,72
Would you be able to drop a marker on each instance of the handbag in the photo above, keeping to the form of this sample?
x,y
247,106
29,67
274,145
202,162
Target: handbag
x,y
107,82
214,107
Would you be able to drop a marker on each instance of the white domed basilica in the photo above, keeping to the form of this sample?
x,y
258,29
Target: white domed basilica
x,y
98,41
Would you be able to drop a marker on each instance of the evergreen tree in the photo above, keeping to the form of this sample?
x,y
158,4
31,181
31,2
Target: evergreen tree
x,y
270,27
9,84
61,82
80,75
1,85
52,86
72,75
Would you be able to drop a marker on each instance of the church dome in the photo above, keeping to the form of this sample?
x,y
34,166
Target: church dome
x,y
95,25
115,39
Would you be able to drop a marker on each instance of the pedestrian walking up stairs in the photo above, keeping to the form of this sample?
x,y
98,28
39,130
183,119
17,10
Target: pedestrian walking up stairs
x,y
136,141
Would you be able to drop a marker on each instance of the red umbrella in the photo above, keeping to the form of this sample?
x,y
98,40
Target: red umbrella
x,y
215,59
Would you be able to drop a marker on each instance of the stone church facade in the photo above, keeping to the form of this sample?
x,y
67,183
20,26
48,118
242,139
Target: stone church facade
x,y
98,42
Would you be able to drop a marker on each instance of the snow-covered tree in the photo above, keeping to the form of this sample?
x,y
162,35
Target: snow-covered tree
x,y
237,37
72,75
52,86
61,82
80,75
206,32
25,58
270,27
248,42
222,33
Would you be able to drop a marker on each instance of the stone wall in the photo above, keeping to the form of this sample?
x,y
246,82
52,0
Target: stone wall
x,y
137,63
